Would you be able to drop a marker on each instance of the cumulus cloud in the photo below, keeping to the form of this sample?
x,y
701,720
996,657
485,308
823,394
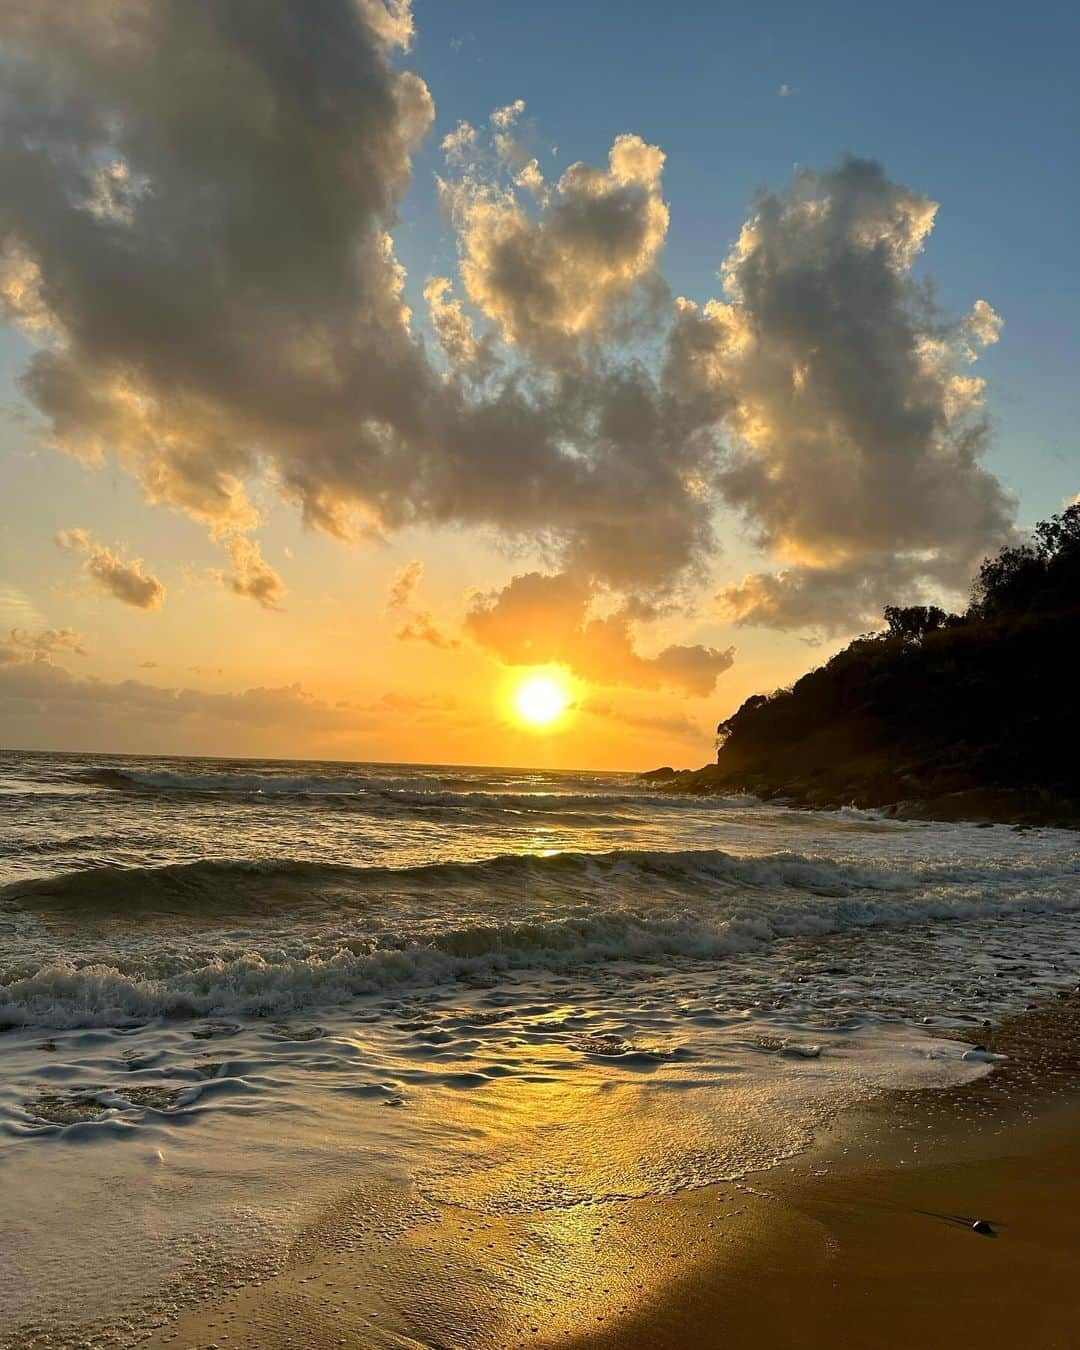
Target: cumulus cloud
x,y
554,275
24,644
855,435
195,232
123,578
251,575
250,283
538,619
239,313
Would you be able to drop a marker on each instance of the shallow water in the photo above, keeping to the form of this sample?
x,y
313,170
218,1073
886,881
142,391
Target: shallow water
x,y
232,991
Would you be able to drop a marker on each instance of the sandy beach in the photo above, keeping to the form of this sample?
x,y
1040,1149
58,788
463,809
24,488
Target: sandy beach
x,y
866,1240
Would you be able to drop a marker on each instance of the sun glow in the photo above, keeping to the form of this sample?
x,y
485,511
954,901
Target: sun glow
x,y
539,700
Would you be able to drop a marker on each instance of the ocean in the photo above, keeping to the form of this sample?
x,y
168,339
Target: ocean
x,y
233,994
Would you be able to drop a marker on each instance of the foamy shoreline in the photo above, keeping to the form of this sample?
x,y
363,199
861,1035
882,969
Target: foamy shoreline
x,y
880,1204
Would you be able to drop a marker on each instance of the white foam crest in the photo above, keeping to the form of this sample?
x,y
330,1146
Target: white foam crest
x,y
260,982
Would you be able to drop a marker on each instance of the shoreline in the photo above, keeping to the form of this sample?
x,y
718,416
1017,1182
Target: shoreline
x,y
870,1228
1022,808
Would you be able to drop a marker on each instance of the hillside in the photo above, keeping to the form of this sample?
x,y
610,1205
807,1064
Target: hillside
x,y
950,716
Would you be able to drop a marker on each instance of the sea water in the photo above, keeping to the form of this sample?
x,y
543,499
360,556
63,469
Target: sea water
x,y
231,994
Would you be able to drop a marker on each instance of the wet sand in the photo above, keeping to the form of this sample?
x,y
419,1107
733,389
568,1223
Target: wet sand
x,y
864,1241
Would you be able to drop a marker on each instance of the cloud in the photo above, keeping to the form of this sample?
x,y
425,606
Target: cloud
x,y
828,600
538,619
122,578
681,727
249,282
48,694
551,278
44,704
211,287
420,626
855,435
415,705
22,644
453,327
505,117
251,576
404,583
241,317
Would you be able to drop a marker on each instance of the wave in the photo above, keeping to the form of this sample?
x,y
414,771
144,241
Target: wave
x,y
643,906
219,884
226,885
252,783
414,794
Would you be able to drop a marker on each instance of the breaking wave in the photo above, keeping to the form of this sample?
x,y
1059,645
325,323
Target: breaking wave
x,y
659,907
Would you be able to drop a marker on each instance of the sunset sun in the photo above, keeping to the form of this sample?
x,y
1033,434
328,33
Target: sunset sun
x,y
540,700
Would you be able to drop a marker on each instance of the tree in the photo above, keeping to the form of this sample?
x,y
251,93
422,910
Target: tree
x,y
911,623
1041,575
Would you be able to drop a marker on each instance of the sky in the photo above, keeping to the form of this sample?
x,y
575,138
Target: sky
x,y
361,363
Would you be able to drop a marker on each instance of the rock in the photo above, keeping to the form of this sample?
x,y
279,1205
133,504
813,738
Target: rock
x,y
659,775
983,1227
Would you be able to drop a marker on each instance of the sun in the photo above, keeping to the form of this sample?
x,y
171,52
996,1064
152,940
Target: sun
x,y
540,700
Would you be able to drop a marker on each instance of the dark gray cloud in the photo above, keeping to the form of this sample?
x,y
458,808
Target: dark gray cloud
x,y
537,619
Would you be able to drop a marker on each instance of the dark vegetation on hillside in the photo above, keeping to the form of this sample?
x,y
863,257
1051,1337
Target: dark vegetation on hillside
x,y
968,715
